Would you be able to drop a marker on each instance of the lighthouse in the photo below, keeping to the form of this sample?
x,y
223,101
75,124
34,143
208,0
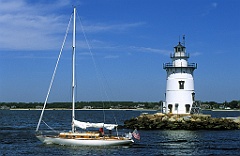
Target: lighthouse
x,y
180,95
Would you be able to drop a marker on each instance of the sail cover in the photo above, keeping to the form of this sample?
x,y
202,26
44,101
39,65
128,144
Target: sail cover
x,y
85,125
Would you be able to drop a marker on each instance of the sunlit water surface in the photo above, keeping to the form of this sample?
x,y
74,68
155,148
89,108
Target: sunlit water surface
x,y
17,129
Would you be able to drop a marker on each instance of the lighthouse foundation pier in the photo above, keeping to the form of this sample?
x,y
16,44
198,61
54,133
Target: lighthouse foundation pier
x,y
181,122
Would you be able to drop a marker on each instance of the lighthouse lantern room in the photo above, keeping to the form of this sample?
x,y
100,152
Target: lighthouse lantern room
x,y
180,95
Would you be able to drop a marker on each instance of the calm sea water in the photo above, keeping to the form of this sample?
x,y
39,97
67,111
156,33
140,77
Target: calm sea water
x,y
17,137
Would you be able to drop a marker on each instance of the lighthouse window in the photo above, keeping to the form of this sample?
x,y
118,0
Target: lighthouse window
x,y
181,84
176,106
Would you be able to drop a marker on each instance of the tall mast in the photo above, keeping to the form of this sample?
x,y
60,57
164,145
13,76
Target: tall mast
x,y
73,67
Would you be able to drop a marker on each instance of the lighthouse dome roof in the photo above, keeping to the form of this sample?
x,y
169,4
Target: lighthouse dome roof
x,y
179,45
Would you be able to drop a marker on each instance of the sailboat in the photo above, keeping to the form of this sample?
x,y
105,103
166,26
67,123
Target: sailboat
x,y
74,137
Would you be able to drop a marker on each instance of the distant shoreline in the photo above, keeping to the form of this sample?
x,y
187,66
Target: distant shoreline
x,y
225,110
214,110
83,109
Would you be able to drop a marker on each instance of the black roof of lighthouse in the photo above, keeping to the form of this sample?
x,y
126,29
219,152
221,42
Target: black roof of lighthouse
x,y
179,45
180,48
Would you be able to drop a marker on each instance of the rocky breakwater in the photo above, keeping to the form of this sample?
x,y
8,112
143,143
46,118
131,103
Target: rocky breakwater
x,y
182,122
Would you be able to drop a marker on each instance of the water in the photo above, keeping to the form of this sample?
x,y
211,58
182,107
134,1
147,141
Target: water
x,y
17,137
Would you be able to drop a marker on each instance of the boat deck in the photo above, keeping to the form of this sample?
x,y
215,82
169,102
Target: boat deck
x,y
88,135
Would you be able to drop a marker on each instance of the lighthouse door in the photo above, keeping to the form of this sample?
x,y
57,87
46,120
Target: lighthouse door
x,y
187,108
170,108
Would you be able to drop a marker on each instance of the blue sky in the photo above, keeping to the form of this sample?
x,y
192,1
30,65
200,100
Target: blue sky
x,y
130,40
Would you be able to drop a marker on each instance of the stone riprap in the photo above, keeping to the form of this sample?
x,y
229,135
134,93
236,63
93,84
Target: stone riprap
x,y
182,122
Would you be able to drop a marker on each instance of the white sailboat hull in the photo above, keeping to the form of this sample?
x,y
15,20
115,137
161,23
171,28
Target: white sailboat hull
x,y
84,142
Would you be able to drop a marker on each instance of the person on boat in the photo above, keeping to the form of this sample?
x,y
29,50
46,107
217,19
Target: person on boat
x,y
110,133
101,132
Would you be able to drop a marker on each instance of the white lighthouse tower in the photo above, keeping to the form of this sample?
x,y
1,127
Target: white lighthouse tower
x,y
180,95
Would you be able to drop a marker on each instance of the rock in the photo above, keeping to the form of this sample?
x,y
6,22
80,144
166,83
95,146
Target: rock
x,y
165,118
171,119
198,120
186,118
159,114
185,122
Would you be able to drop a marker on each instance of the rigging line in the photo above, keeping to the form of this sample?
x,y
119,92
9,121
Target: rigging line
x,y
54,73
95,64
98,75
49,126
109,100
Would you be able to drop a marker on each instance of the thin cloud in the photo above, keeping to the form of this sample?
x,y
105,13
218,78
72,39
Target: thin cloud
x,y
101,27
24,26
128,49
210,8
196,54
151,50
115,51
214,5
111,57
37,26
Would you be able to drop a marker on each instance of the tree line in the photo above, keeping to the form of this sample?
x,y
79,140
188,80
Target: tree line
x,y
81,105
234,104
